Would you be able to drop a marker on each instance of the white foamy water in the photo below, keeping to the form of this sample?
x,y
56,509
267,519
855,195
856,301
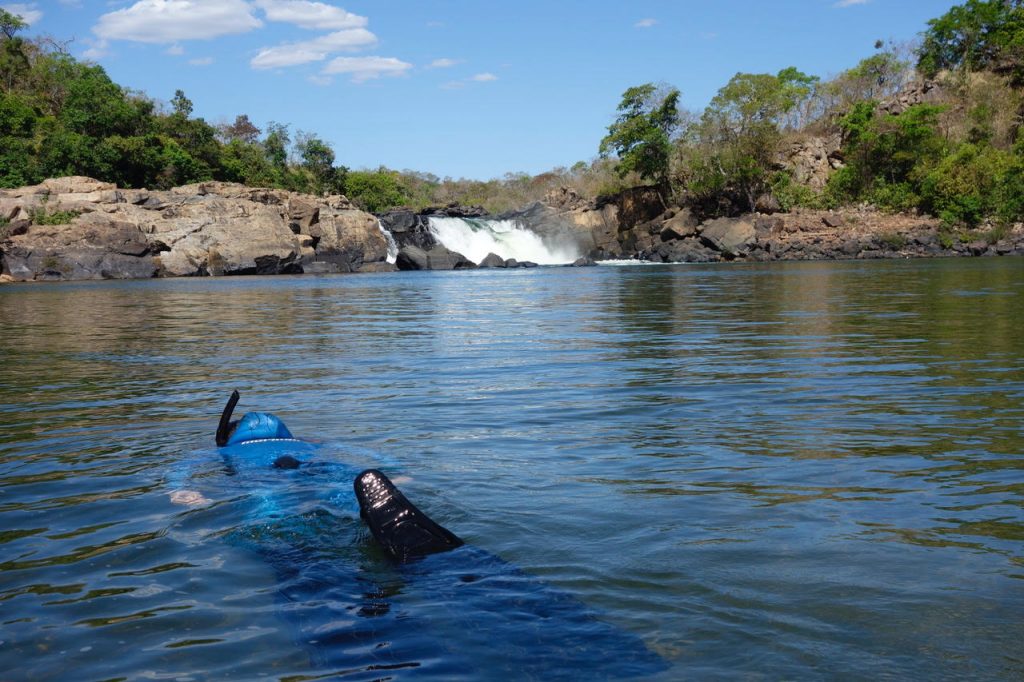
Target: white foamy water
x,y
392,245
475,238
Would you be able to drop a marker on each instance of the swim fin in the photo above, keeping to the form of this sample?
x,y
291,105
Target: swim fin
x,y
402,529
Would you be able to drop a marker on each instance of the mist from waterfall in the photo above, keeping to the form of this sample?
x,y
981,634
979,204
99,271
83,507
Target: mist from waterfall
x,y
474,238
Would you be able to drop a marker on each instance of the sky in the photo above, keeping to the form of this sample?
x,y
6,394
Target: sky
x,y
458,88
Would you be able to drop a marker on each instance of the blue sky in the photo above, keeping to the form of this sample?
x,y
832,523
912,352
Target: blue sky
x,y
459,88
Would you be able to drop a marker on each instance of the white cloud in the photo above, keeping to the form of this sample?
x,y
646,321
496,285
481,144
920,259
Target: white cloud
x,y
443,63
320,80
850,3
175,50
311,15
96,52
171,21
484,77
365,68
201,61
645,23
315,50
29,12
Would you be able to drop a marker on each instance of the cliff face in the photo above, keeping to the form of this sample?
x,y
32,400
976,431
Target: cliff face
x,y
79,228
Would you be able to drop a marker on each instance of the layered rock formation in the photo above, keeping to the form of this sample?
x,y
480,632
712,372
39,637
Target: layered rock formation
x,y
80,228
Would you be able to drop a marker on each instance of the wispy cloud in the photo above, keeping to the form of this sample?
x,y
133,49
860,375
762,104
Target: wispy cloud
x,y
315,50
645,23
850,3
175,50
201,61
443,63
29,12
366,68
310,15
172,21
483,77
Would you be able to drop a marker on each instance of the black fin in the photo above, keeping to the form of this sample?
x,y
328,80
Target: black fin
x,y
402,529
286,462
225,426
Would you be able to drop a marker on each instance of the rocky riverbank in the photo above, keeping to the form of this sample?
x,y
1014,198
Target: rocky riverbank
x,y
79,228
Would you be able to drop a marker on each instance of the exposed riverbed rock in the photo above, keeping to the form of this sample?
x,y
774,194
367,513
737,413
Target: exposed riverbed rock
x,y
602,228
437,258
210,228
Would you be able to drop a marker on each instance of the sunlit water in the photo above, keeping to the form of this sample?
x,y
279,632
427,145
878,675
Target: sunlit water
x,y
784,471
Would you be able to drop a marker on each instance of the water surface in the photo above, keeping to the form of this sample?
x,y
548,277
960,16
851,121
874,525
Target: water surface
x,y
791,470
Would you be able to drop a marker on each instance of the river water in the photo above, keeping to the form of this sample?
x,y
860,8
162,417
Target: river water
x,y
790,470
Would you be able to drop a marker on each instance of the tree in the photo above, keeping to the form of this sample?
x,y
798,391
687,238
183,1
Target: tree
x,y
10,24
641,136
318,160
978,35
732,151
242,130
182,105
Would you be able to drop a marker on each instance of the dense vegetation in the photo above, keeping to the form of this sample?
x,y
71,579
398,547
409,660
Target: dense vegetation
x,y
956,153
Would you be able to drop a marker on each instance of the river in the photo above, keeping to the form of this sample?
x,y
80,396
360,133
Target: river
x,y
788,470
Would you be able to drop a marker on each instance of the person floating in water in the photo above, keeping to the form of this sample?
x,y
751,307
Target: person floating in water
x,y
440,608
397,524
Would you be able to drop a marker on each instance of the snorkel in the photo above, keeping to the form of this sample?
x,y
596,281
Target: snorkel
x,y
252,427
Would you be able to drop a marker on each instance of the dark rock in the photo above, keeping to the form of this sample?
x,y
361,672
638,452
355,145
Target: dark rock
x,y
977,248
527,264
832,221
455,210
511,263
321,268
18,227
437,258
681,224
689,250
492,260
731,236
409,229
765,226
583,262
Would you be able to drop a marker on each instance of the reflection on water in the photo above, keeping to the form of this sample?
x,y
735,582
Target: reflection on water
x,y
788,470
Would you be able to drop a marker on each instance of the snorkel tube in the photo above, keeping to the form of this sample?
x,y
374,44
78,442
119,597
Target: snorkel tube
x,y
226,426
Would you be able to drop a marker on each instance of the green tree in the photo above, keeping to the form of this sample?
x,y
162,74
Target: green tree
x,y
977,35
318,161
641,135
730,154
376,191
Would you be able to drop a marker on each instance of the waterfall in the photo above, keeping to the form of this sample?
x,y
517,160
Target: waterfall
x,y
474,238
392,245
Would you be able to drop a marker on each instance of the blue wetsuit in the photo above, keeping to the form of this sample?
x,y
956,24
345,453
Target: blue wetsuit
x,y
463,613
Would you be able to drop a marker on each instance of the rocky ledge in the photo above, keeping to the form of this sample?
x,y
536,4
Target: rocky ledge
x,y
78,228
637,225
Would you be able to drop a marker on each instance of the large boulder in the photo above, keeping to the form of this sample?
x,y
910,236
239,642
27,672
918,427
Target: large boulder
x,y
409,229
492,260
349,239
811,160
93,246
437,258
210,235
731,236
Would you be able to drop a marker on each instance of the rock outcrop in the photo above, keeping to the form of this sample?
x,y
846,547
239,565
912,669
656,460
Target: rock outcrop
x,y
80,228
437,258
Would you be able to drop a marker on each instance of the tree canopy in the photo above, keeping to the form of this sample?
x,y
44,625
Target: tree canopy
x,y
641,136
